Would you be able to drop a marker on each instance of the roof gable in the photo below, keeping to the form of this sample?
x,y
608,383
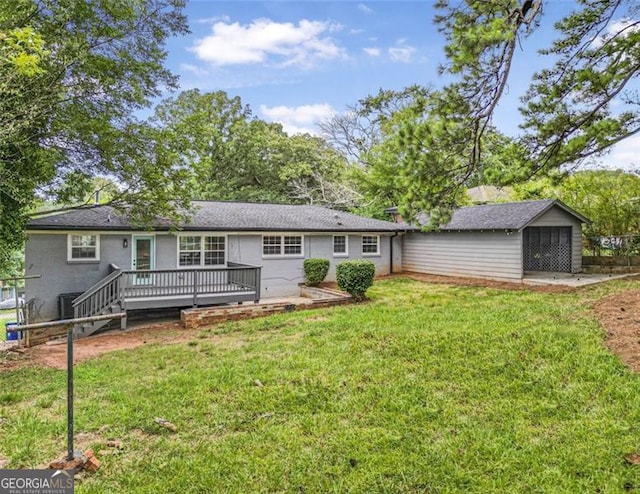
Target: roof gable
x,y
504,216
225,216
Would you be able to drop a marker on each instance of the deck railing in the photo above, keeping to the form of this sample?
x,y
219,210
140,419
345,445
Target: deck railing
x,y
191,285
193,282
101,296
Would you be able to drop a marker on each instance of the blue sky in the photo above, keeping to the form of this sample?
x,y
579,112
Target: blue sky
x,y
298,62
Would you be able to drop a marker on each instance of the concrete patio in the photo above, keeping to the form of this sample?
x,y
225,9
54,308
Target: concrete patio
x,y
569,279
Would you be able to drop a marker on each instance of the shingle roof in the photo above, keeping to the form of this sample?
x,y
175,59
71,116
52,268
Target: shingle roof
x,y
505,216
225,216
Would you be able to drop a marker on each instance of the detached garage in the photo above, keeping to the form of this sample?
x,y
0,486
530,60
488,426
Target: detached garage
x,y
500,241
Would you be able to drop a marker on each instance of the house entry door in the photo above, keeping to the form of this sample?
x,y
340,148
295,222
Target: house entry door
x,y
143,258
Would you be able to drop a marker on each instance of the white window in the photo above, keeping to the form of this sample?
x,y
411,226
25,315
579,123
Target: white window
x,y
271,245
370,245
214,251
201,250
282,245
340,245
293,245
83,247
189,251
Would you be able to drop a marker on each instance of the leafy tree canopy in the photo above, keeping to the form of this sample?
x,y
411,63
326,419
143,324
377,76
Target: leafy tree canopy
x,y
71,75
233,156
409,147
609,198
576,108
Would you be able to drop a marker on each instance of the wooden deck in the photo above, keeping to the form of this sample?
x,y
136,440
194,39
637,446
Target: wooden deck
x,y
229,294
159,288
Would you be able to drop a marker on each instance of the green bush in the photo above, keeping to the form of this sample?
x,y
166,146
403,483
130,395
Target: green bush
x,y
315,270
355,277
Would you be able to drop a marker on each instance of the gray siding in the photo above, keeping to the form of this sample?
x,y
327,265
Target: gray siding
x,y
281,276
494,255
558,217
397,253
166,252
46,255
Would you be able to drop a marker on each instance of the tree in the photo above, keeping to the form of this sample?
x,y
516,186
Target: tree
x,y
71,76
206,133
314,173
609,198
409,148
366,135
233,156
568,111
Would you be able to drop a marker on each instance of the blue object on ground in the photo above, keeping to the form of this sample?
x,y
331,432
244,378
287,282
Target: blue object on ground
x,y
12,332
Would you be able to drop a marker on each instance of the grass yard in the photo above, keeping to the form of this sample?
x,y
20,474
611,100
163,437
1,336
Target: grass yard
x,y
427,388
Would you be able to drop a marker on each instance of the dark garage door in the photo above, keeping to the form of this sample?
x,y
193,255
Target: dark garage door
x,y
547,248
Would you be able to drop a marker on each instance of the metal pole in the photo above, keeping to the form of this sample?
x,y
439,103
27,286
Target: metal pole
x,y
70,392
70,324
15,289
15,293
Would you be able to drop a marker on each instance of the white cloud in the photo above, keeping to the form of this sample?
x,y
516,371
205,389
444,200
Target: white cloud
x,y
298,119
624,155
263,40
211,20
401,52
372,52
624,26
363,8
194,69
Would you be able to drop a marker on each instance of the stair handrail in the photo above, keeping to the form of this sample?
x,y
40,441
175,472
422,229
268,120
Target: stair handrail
x,y
105,282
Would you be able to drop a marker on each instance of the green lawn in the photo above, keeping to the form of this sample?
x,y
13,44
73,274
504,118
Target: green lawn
x,y
427,388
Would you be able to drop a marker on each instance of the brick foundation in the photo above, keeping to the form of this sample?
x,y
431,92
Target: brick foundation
x,y
195,318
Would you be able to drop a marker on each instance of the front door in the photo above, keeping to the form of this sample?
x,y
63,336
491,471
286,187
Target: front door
x,y
142,258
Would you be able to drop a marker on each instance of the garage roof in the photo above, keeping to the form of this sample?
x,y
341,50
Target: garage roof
x,y
504,216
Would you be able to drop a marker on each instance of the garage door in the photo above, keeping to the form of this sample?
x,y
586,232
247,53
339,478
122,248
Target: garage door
x,y
547,248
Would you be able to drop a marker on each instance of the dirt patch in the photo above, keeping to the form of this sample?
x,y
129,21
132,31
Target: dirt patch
x,y
484,283
56,355
619,314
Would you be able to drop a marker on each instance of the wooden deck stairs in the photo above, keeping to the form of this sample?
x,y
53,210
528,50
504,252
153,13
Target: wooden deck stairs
x,y
151,289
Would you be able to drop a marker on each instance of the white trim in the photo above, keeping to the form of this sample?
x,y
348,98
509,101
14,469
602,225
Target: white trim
x,y
346,245
94,232
219,233
370,254
202,235
83,259
282,255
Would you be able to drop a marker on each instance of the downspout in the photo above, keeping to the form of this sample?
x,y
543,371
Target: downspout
x,y
395,234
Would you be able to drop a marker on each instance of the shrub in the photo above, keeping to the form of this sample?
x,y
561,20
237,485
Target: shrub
x,y
355,277
315,270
